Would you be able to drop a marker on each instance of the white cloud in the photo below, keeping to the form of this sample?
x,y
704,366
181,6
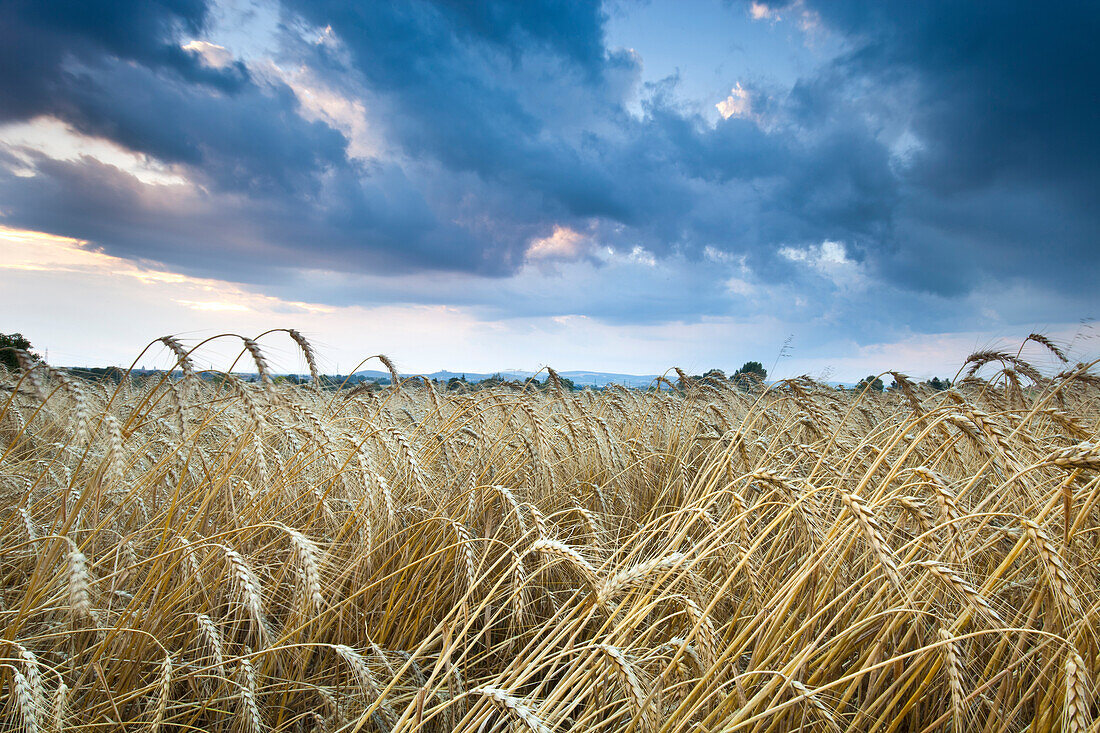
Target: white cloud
x,y
830,260
824,254
213,305
794,255
90,308
321,103
563,244
904,149
808,19
213,55
833,252
762,11
57,140
741,287
640,255
737,104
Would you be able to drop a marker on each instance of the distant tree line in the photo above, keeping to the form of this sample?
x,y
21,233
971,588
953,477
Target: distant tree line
x,y
751,376
496,380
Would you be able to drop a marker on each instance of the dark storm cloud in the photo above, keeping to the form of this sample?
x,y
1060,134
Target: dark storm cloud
x,y
510,103
116,70
237,237
269,180
946,144
38,37
1004,90
1001,99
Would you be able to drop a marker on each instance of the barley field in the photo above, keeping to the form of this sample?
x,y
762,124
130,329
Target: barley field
x,y
190,553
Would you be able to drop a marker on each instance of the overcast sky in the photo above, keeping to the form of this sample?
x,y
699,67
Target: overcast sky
x,y
623,186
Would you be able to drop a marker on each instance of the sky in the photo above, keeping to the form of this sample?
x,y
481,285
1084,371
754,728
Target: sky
x,y
833,188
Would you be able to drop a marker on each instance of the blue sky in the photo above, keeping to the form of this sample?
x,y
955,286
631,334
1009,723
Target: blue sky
x,y
621,186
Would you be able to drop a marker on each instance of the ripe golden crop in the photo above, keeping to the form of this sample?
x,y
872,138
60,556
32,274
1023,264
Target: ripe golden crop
x,y
181,552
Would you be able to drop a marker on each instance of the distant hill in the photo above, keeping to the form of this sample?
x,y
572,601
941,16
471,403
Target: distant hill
x,y
580,378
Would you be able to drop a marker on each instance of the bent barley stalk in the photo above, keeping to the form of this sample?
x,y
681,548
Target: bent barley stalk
x,y
969,592
515,707
636,574
700,555
562,551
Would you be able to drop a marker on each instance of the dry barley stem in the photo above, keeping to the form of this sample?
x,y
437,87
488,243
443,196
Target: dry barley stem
x,y
213,639
248,590
875,536
629,678
818,705
59,709
968,591
309,563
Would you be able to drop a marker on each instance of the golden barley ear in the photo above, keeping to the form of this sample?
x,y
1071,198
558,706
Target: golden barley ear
x,y
515,707
1049,345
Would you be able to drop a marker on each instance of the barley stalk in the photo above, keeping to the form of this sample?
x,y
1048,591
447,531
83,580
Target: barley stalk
x,y
1055,568
616,524
25,704
59,709
247,586
968,591
807,694
629,678
873,531
1077,693
246,695
80,600
309,563
164,689
208,630
562,551
636,574
515,707
953,666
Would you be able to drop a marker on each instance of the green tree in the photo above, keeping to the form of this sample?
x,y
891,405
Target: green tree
x,y
751,375
875,383
714,375
492,381
9,342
